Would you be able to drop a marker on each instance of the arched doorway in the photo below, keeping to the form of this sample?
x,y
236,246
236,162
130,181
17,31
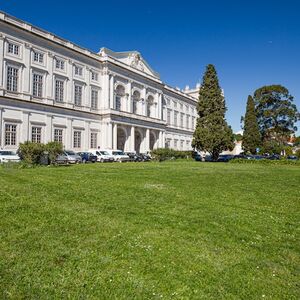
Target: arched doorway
x,y
121,139
137,141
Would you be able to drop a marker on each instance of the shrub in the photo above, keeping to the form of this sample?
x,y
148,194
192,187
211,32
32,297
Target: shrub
x,y
162,154
37,153
31,153
53,149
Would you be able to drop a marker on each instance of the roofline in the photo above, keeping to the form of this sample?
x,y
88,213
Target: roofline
x,y
26,26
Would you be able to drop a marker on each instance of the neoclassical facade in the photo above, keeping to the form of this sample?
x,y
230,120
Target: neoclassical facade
x,y
54,90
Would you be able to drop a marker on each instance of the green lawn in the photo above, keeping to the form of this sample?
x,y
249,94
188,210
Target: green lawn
x,y
172,230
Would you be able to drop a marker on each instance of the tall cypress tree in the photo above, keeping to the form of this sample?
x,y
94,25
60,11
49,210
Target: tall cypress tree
x,y
251,135
212,133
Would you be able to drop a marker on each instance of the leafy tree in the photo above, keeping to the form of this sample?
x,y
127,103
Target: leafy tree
x,y
251,136
238,137
276,113
212,133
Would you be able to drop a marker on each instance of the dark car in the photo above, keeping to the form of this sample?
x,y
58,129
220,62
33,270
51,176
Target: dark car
x,y
242,156
145,157
134,157
225,158
273,157
87,157
292,157
198,157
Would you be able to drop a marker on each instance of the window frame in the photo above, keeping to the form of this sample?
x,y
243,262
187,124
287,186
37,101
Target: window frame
x,y
77,139
36,137
17,82
40,85
13,135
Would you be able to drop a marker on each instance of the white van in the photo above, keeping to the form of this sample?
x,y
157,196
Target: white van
x,y
119,155
102,155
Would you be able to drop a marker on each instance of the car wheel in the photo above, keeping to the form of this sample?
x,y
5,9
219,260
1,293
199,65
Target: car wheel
x,y
84,161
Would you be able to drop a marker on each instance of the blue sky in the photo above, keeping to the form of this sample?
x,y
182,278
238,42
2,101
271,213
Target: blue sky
x,y
251,43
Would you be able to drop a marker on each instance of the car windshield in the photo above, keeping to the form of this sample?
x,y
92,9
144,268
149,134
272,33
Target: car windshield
x,y
118,153
7,153
70,152
104,153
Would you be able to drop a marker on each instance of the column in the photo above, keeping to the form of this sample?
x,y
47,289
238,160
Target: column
x,y
129,98
143,96
163,139
27,60
147,140
111,92
24,128
87,135
160,139
132,138
48,129
1,60
109,135
1,130
115,136
104,99
49,77
69,134
159,108
69,82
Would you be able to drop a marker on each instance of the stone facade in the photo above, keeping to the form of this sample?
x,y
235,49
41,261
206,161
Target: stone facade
x,y
52,89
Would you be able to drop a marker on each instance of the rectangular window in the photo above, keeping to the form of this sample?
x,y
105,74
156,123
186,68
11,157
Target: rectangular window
x,y
175,144
93,140
37,85
175,118
13,49
169,116
12,79
36,134
187,121
94,76
59,64
78,71
59,90
10,135
94,99
58,135
193,122
181,119
77,95
77,139
181,145
38,57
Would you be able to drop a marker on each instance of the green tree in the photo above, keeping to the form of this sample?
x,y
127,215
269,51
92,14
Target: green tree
x,y
251,135
276,113
212,133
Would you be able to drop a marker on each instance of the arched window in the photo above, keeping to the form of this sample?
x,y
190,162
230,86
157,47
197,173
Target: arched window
x,y
150,101
136,96
120,93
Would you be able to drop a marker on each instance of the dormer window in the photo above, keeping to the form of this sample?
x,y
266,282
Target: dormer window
x,y
13,49
78,71
59,64
38,57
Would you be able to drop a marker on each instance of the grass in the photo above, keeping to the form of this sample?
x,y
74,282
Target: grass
x,y
172,230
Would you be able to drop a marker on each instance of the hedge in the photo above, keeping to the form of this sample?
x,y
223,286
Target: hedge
x,y
162,154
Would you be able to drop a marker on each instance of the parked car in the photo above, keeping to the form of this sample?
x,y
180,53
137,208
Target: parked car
x,y
70,156
134,157
273,157
292,157
119,155
145,157
87,157
103,156
61,159
8,156
197,157
242,156
225,158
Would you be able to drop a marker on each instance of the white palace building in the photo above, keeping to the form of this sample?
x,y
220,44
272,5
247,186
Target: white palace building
x,y
54,90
